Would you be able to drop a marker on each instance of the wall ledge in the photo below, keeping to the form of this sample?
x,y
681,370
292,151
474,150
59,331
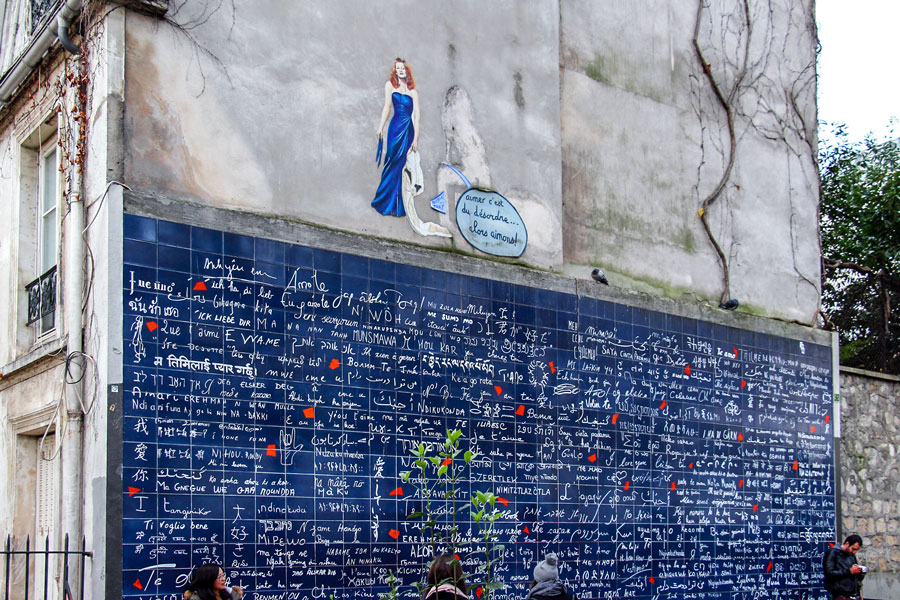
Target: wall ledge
x,y
870,374
51,349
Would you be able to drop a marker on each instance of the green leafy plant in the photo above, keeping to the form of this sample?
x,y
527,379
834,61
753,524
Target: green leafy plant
x,y
436,475
394,583
437,478
485,515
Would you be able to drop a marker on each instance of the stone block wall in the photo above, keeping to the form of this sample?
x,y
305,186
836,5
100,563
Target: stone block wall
x,y
870,474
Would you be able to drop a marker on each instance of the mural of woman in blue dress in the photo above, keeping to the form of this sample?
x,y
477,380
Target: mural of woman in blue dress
x,y
402,136
401,177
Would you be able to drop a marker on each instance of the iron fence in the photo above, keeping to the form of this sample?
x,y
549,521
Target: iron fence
x,y
24,557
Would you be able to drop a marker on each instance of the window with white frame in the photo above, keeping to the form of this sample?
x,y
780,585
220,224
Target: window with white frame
x,y
39,228
48,234
46,488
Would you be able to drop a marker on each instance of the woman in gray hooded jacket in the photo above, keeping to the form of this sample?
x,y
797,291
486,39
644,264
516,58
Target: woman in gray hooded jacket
x,y
546,584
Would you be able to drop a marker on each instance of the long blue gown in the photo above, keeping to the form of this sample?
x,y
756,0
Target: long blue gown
x,y
389,197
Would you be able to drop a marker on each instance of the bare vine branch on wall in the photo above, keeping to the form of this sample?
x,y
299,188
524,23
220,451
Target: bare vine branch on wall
x,y
759,88
726,103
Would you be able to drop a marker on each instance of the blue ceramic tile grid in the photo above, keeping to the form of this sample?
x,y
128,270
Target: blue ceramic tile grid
x,y
273,392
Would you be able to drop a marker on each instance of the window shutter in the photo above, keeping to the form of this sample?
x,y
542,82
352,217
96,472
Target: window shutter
x,y
47,486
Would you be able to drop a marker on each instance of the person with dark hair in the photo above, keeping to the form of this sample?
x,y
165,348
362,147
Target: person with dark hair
x,y
208,583
445,580
843,577
546,584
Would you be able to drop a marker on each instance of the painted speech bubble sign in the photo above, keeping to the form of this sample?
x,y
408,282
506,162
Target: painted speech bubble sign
x,y
491,223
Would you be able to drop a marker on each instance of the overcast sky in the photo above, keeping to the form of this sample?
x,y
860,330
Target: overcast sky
x,y
859,64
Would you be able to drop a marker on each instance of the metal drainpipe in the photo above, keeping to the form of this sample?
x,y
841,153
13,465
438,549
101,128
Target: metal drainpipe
x,y
72,453
62,32
73,442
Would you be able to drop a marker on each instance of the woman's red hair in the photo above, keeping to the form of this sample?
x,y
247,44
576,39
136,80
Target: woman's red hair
x,y
395,81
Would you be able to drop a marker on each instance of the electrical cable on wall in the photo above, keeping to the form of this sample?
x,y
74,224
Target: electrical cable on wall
x,y
89,268
67,381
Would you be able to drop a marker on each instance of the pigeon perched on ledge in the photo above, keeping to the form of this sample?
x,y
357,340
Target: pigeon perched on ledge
x,y
729,304
598,275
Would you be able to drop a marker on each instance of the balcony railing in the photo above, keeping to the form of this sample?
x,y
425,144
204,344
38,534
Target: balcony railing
x,y
39,10
41,296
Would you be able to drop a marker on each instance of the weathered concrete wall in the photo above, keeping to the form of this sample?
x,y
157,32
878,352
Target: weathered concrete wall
x,y
15,31
275,110
870,475
595,119
645,142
